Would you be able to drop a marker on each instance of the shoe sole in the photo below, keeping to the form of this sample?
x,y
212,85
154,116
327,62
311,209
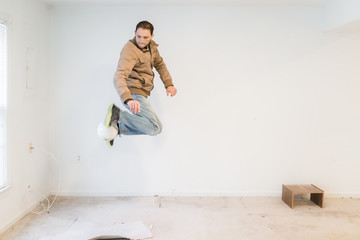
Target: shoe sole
x,y
107,120
108,143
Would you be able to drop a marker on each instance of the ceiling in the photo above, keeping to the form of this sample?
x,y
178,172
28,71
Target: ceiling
x,y
191,2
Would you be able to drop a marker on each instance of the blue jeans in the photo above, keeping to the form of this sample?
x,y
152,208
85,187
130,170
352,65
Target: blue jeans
x,y
144,123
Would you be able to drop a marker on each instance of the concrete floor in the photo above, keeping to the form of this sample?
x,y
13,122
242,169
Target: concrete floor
x,y
200,218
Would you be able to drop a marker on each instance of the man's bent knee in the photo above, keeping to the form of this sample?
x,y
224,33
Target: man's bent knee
x,y
156,130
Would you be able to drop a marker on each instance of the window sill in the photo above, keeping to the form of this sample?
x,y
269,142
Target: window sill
x,y
4,190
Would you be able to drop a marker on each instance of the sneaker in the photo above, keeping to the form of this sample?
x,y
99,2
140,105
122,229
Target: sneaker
x,y
110,143
112,116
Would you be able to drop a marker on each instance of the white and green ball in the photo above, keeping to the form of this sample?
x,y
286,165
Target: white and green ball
x,y
106,133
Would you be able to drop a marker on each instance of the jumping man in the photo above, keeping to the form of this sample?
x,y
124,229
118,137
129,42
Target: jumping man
x,y
134,80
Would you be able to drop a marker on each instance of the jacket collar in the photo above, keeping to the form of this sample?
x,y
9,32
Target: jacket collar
x,y
151,45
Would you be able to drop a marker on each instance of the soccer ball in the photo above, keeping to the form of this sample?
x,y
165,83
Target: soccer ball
x,y
106,133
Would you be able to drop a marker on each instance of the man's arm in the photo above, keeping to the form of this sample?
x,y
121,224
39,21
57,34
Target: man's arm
x,y
135,106
126,63
161,68
171,90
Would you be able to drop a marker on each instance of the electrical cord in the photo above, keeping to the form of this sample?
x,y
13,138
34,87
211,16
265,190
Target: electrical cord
x,y
49,205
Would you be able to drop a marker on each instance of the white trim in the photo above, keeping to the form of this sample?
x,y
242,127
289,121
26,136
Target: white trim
x,y
342,195
187,194
168,194
4,173
5,190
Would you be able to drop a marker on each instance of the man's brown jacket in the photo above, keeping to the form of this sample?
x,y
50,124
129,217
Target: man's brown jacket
x,y
134,73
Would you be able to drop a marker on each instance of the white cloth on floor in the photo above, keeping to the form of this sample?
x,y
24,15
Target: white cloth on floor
x,y
87,231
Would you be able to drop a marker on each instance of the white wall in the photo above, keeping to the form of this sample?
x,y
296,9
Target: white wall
x,y
340,13
27,113
264,98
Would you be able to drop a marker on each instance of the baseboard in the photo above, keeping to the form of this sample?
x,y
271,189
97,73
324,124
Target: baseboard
x,y
342,195
189,194
170,194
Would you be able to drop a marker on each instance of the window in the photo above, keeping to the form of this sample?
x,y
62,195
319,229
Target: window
x,y
3,79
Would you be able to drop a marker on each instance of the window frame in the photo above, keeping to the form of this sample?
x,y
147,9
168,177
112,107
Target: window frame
x,y
4,184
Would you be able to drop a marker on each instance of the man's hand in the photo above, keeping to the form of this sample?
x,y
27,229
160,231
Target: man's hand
x,y
134,106
171,90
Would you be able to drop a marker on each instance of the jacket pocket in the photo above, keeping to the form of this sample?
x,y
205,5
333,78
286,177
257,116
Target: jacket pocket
x,y
144,59
142,81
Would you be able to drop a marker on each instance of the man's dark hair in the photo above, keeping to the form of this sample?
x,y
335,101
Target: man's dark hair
x,y
145,25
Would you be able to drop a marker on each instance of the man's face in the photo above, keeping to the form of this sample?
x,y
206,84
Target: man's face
x,y
143,37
